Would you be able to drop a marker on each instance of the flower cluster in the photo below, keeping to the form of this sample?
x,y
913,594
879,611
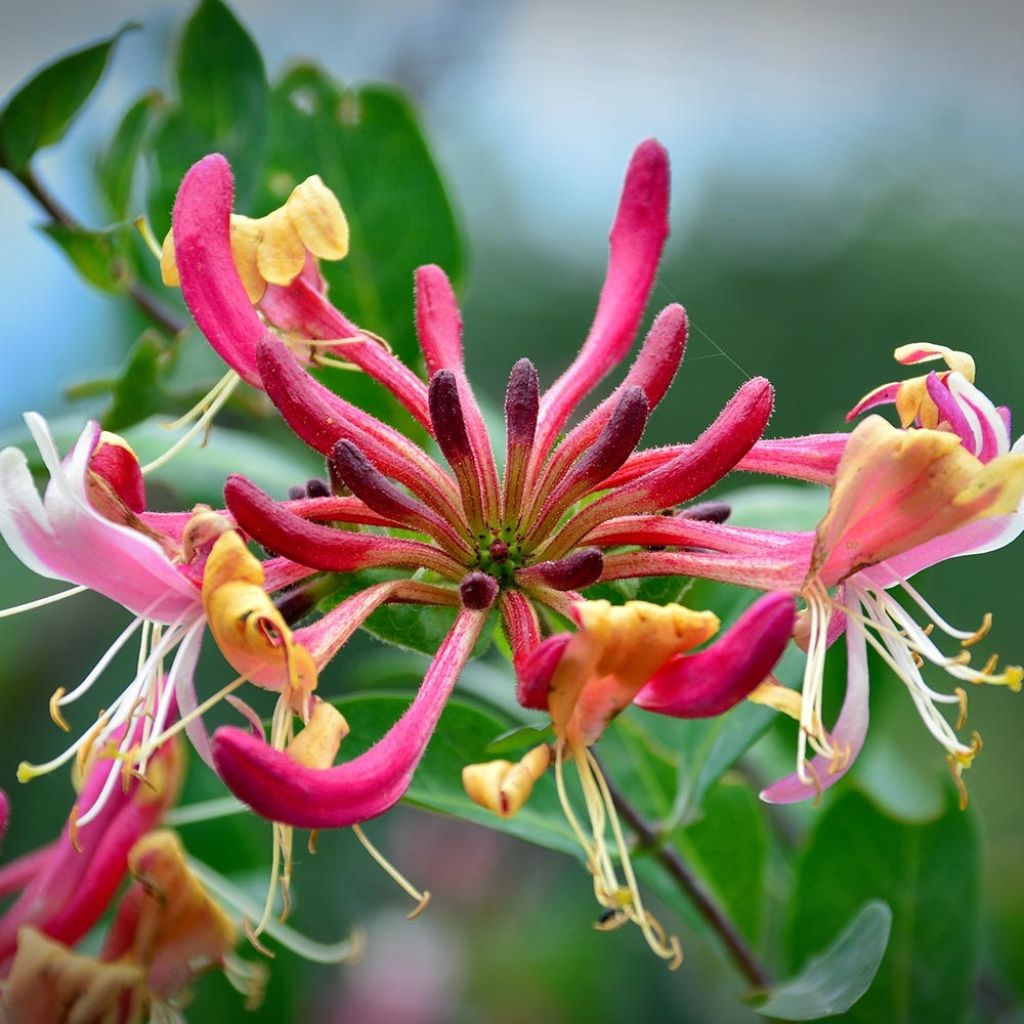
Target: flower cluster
x,y
573,502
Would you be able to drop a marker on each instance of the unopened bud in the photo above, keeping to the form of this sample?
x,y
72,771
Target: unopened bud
x,y
478,591
503,786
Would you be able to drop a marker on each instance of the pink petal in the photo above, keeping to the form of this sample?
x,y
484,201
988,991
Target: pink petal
x,y
322,419
73,888
210,283
278,788
63,537
535,668
713,680
885,394
439,325
849,732
637,238
322,547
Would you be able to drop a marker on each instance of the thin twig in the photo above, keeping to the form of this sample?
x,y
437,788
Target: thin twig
x,y
652,840
152,306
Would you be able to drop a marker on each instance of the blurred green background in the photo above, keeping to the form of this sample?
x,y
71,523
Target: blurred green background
x,y
845,180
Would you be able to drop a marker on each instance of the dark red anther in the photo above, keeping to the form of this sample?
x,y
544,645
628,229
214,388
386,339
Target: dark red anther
x,y
368,484
296,492
317,488
477,591
580,569
447,417
616,442
385,498
522,400
708,511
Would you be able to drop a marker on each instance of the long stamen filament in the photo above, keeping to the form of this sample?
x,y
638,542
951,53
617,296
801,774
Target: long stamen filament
x,y
41,602
224,393
421,898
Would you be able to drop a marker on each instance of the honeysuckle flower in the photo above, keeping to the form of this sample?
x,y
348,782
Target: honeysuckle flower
x,y
520,540
620,655
175,573
902,500
166,929
66,886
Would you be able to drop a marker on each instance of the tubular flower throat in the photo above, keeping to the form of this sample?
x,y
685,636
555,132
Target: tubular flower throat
x,y
523,541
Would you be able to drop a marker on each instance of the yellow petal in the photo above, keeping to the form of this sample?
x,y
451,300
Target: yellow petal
x,y
503,786
249,630
317,216
280,254
926,352
246,235
49,984
615,652
181,931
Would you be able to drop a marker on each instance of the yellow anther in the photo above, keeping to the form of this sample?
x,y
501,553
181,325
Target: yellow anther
x,y
990,666
58,719
961,719
986,625
202,529
316,746
503,786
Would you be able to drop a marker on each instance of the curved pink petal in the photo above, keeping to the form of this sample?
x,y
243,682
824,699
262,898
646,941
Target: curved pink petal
x,y
439,326
321,419
322,547
848,735
210,284
535,668
885,394
713,680
636,241
280,789
63,537
976,538
700,465
653,371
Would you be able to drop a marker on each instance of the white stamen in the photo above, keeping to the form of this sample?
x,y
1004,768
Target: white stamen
x,y
6,613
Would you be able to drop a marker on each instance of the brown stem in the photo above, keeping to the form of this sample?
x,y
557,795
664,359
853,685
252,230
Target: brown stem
x,y
152,306
651,839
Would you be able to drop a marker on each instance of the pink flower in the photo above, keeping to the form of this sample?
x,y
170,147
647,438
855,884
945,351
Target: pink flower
x,y
902,500
91,529
519,540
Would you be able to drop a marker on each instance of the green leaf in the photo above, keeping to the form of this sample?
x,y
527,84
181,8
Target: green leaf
x,y
138,392
42,110
368,147
115,169
728,847
928,874
832,981
223,107
778,506
99,256
462,737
